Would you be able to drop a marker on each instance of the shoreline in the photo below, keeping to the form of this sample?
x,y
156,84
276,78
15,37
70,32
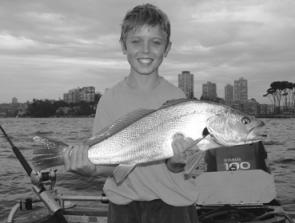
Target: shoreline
x,y
276,116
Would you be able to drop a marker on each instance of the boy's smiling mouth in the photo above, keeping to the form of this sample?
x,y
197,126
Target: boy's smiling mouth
x,y
145,60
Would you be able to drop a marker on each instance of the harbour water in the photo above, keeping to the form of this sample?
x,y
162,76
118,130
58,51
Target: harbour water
x,y
15,185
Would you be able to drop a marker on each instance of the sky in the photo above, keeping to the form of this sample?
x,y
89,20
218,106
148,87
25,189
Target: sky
x,y
48,47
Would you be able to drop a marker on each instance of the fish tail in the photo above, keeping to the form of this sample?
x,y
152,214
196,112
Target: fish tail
x,y
50,153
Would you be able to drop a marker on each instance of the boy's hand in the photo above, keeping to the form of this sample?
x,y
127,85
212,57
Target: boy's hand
x,y
76,160
181,153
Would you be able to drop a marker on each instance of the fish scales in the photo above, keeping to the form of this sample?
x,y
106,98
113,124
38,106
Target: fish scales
x,y
154,131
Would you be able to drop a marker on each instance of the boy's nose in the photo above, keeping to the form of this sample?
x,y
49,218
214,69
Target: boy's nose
x,y
146,47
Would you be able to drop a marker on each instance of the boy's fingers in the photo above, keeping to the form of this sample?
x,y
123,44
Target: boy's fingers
x,y
186,143
76,157
183,148
190,144
178,136
189,140
67,157
85,155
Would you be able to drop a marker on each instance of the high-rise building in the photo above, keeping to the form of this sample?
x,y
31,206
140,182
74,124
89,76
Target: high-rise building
x,y
73,96
87,94
14,100
228,94
209,90
80,94
186,83
240,90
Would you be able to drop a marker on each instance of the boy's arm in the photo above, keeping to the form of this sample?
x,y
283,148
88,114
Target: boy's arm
x,y
76,161
104,170
76,158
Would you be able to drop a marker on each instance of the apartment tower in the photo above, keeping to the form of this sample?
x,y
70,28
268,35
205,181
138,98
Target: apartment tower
x,y
228,94
240,90
209,90
186,83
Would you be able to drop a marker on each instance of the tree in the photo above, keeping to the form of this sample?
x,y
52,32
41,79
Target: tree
x,y
84,109
46,108
39,108
281,90
293,97
270,93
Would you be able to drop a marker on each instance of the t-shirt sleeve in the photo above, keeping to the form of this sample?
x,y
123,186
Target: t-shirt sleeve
x,y
171,92
180,94
102,116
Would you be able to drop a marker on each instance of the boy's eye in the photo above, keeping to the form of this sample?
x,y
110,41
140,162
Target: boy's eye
x,y
157,42
135,41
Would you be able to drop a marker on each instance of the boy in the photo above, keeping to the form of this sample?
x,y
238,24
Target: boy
x,y
156,192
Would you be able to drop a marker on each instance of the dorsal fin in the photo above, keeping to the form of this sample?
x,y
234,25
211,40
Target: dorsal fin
x,y
118,125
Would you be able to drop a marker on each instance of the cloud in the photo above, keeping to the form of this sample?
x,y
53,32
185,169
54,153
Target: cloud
x,y
62,44
9,42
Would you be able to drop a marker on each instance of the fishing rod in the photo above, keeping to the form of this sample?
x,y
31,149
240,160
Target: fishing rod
x,y
38,186
18,154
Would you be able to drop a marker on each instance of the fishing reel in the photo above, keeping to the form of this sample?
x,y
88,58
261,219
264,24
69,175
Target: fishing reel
x,y
44,178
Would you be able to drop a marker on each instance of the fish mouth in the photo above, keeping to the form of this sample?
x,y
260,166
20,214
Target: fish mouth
x,y
257,133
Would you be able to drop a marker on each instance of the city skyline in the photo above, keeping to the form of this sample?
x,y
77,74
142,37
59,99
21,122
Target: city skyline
x,y
238,90
48,47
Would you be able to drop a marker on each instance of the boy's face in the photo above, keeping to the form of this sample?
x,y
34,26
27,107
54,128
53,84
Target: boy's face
x,y
145,48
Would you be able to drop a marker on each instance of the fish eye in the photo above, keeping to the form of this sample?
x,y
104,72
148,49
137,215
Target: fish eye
x,y
245,120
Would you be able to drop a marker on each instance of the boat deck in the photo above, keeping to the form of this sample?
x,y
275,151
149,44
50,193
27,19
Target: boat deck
x,y
74,212
91,211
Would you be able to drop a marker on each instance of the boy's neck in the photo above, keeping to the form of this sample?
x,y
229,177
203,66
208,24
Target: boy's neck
x,y
143,82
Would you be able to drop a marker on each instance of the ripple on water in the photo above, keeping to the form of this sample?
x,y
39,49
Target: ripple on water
x,y
273,142
285,161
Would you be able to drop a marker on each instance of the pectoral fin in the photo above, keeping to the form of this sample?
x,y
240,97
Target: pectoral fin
x,y
194,161
121,172
197,159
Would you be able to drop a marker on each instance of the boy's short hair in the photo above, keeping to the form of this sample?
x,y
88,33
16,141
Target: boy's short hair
x,y
146,14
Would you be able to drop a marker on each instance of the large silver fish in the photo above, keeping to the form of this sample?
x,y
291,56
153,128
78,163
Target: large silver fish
x,y
145,136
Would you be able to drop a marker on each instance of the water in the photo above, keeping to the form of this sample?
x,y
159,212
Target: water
x,y
15,185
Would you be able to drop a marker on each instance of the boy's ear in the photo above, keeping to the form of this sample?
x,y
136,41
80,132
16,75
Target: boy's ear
x,y
123,46
168,47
